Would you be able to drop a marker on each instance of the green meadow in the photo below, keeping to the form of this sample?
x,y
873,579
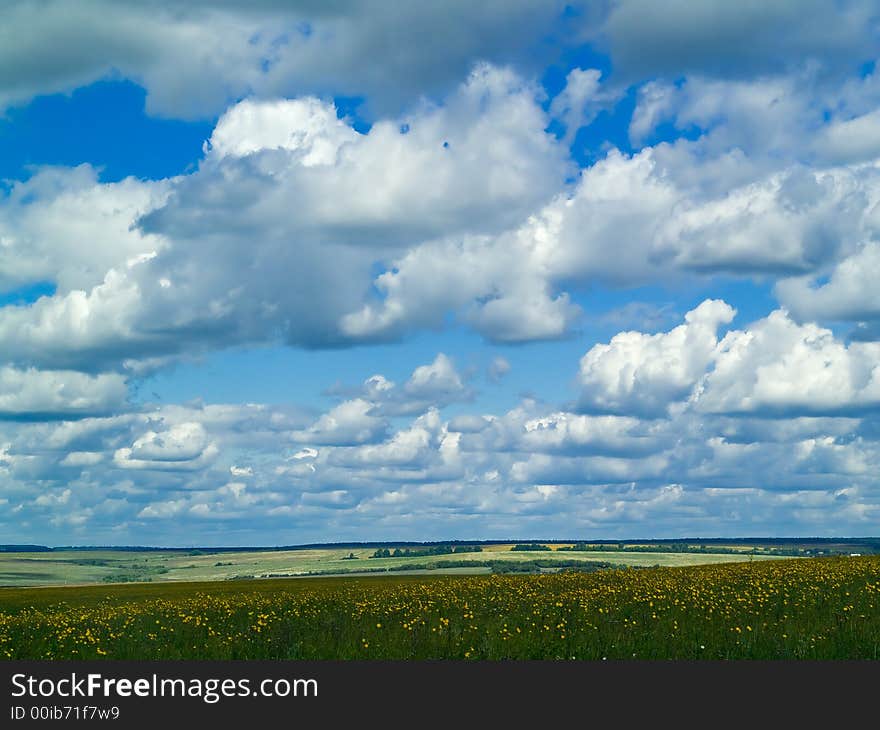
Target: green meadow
x,y
814,608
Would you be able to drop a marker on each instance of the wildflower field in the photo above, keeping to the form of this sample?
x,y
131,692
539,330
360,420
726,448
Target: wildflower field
x,y
824,608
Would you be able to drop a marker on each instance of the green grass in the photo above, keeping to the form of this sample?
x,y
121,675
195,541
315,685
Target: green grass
x,y
826,608
97,566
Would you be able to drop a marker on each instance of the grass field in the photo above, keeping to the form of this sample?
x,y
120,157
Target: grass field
x,y
100,566
826,608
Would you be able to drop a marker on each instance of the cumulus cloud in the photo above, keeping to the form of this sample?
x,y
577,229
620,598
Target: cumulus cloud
x,y
468,423
438,380
735,40
664,214
581,100
82,458
220,260
768,119
264,48
63,226
848,294
350,422
505,297
777,367
408,447
183,446
172,466
567,433
457,205
271,49
306,453
527,430
640,373
851,140
54,394
433,385
472,219
305,125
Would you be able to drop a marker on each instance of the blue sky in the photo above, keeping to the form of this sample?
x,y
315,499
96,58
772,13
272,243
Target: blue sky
x,y
272,274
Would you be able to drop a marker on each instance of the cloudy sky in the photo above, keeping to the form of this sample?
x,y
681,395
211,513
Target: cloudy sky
x,y
275,272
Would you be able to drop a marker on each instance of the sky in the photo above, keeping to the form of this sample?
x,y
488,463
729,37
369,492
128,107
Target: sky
x,y
275,273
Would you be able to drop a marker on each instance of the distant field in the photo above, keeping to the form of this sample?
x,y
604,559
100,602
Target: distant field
x,y
99,566
819,608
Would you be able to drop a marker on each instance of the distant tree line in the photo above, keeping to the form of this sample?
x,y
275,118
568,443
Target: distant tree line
x,y
423,552
25,549
685,547
550,565
494,566
530,547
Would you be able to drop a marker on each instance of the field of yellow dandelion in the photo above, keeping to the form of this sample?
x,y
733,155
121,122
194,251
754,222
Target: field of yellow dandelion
x,y
826,608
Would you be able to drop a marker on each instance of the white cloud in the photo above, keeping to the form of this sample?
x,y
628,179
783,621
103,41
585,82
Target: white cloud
x,y
848,294
641,373
306,126
567,433
656,102
473,220
468,423
664,215
53,500
760,115
84,329
222,261
581,100
529,429
851,140
545,469
436,381
82,458
163,510
777,367
498,285
63,226
462,208
47,394
351,422
409,447
556,467
306,453
772,368
791,221
183,446
433,385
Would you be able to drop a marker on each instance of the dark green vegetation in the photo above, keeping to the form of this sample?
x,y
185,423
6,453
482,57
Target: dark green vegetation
x,y
826,608
423,552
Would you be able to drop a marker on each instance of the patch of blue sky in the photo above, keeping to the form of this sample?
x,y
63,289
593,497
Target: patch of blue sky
x,y
545,371
315,379
103,124
351,109
28,294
